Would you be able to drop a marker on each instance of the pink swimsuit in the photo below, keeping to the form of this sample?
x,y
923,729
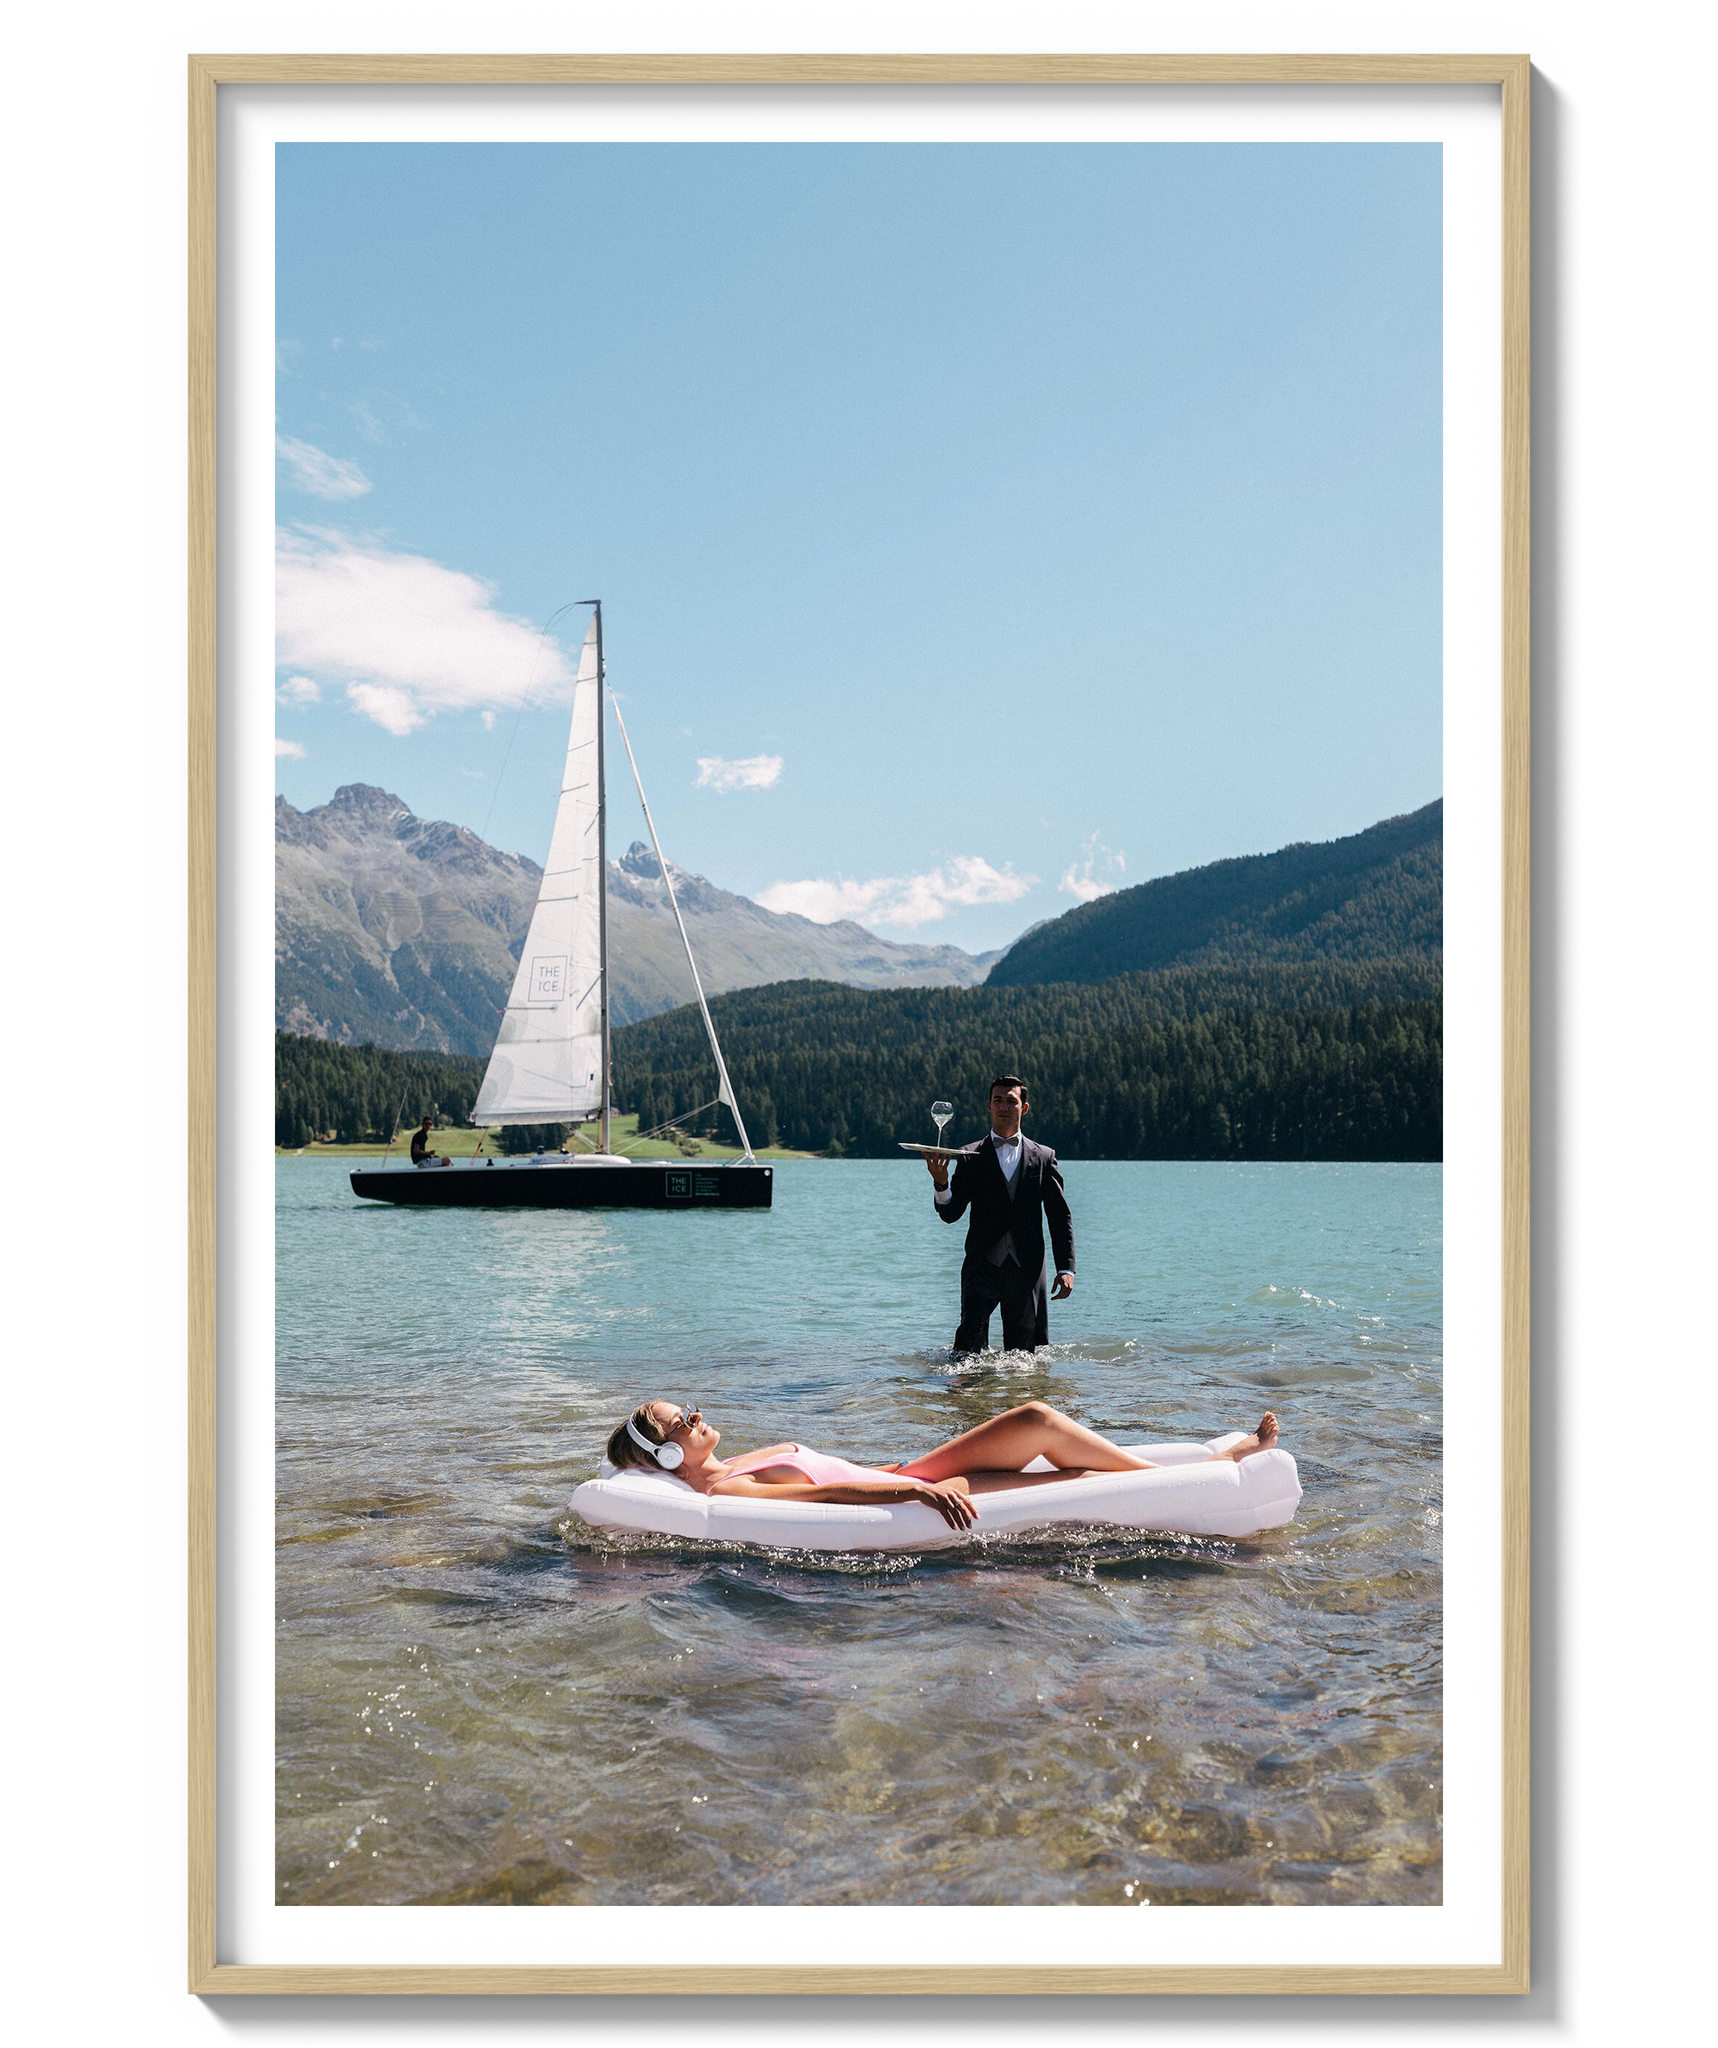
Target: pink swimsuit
x,y
816,1466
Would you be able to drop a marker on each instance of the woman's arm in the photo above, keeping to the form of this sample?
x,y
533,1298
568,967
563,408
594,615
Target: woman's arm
x,y
948,1496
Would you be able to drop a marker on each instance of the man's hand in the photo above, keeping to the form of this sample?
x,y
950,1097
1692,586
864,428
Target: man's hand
x,y
1063,1288
938,1164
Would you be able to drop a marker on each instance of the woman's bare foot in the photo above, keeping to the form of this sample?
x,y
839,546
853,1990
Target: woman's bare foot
x,y
1262,1440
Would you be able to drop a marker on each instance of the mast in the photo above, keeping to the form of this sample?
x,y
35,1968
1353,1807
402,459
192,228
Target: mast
x,y
602,877
547,1065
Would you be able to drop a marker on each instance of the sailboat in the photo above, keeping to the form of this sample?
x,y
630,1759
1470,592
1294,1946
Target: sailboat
x,y
551,1058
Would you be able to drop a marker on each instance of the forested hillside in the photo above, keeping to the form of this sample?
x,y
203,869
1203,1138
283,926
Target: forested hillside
x,y
1377,895
1329,1061
353,1092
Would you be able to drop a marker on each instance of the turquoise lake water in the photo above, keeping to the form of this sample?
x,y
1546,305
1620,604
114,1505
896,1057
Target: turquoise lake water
x,y
481,1699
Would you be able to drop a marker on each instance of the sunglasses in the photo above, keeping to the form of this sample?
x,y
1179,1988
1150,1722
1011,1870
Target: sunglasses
x,y
688,1416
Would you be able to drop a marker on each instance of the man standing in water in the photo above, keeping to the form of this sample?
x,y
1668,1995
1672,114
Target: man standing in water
x,y
1011,1188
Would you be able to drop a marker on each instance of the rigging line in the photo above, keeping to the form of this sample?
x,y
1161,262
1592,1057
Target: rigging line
x,y
726,1086
656,1130
715,1102
393,1128
530,685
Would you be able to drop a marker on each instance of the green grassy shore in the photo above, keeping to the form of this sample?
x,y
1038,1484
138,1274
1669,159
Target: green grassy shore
x,y
452,1142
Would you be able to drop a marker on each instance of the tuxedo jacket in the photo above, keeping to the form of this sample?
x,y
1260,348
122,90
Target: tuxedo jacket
x,y
980,1193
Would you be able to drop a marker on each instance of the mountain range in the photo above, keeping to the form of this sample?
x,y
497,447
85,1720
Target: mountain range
x,y
405,932
1377,895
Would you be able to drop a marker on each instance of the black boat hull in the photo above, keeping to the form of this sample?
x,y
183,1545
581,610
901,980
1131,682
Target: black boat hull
x,y
554,1184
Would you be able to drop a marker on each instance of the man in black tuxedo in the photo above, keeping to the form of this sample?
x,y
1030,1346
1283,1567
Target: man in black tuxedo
x,y
1011,1189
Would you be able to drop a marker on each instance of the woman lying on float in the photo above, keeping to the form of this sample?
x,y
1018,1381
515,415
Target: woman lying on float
x,y
988,1459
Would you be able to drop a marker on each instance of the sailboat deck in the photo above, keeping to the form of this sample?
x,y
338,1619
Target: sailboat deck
x,y
572,1183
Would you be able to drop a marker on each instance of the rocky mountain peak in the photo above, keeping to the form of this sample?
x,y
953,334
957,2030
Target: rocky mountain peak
x,y
364,804
290,828
406,931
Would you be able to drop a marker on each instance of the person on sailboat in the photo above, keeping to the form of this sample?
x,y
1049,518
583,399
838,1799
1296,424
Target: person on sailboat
x,y
988,1459
423,1153
1011,1190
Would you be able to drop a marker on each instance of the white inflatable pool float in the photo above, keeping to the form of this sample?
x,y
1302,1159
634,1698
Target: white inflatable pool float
x,y
1185,1495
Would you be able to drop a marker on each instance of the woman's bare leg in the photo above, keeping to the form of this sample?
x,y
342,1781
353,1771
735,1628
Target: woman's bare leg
x,y
1011,1440
1000,1447
1011,1482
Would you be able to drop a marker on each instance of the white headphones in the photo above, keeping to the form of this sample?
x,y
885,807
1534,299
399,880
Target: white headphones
x,y
668,1456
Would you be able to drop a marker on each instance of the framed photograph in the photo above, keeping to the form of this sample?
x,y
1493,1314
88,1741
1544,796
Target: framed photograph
x,y
850,644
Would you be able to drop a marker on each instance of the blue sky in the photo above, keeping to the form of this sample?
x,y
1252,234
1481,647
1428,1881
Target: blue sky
x,y
977,526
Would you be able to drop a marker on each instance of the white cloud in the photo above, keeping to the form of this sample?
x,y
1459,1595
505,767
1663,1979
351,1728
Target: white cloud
x,y
288,750
391,708
756,771
298,690
1100,873
907,900
318,474
488,718
403,635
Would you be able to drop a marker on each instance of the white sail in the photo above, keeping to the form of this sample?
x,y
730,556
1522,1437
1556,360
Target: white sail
x,y
547,1066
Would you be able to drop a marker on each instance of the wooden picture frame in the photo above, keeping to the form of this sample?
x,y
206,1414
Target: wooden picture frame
x,y
207,1973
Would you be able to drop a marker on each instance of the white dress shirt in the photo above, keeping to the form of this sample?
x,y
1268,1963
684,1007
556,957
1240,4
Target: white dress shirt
x,y
1007,1157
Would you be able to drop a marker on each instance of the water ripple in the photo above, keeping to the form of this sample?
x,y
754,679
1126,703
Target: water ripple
x,y
482,1700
